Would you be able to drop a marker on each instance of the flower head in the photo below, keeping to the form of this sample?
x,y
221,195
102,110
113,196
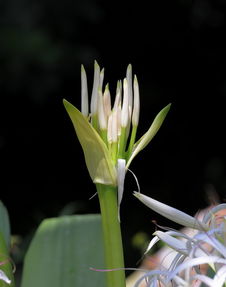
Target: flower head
x,y
200,257
107,130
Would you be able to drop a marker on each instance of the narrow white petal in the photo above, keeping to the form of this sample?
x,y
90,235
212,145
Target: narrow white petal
x,y
174,243
109,131
219,278
151,244
101,112
194,262
125,105
84,93
96,82
118,96
101,79
212,241
136,105
205,279
121,173
171,212
4,278
114,126
107,101
130,90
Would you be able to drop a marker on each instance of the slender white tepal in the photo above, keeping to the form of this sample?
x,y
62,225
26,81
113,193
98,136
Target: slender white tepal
x,y
107,101
94,96
101,112
125,105
130,89
136,104
101,79
84,93
171,213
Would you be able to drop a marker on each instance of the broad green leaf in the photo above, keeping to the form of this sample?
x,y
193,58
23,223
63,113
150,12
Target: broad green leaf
x,y
148,136
4,223
97,157
62,252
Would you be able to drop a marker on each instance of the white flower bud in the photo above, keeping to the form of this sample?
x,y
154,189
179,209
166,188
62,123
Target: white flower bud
x,y
101,113
107,101
136,104
125,105
96,82
84,93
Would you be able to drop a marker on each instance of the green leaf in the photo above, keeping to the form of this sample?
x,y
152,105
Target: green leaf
x,y
4,223
97,156
62,252
148,136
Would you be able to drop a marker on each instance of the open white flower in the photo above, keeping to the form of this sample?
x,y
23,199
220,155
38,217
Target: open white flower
x,y
200,258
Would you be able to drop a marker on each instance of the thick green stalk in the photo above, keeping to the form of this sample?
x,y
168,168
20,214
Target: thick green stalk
x,y
112,235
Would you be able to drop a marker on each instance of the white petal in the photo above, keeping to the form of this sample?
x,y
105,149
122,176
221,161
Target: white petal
x,y
96,82
121,172
151,244
136,105
174,243
219,278
171,212
4,278
101,79
107,101
84,93
194,262
130,90
101,112
205,279
125,105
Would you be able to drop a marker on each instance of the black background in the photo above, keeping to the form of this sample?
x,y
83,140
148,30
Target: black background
x,y
177,51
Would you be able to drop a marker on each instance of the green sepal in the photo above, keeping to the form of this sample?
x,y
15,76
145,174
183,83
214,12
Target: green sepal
x,y
97,156
148,136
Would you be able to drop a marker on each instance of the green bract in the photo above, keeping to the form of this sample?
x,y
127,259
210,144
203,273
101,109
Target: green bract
x,y
98,160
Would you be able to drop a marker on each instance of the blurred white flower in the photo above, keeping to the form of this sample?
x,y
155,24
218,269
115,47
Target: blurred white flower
x,y
199,258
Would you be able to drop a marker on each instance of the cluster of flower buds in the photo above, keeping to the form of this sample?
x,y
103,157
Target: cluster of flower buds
x,y
113,122
107,131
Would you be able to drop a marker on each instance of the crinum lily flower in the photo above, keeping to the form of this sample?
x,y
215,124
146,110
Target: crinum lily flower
x,y
107,132
200,256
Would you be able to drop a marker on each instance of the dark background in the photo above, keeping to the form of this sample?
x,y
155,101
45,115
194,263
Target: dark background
x,y
178,54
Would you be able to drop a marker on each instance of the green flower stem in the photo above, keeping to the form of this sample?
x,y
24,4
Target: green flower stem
x,y
112,235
